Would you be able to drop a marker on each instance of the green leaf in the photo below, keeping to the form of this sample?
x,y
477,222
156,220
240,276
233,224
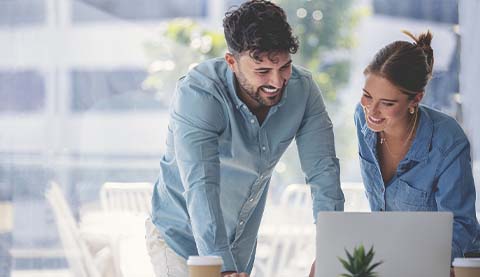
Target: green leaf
x,y
358,264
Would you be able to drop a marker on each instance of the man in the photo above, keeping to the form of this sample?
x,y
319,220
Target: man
x,y
231,120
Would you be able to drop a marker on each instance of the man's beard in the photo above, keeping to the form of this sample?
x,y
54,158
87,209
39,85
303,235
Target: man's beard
x,y
255,94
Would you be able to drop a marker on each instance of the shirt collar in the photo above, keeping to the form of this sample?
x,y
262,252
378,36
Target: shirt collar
x,y
231,89
423,137
369,135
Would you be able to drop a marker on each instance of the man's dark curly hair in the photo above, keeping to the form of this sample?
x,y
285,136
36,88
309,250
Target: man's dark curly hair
x,y
258,26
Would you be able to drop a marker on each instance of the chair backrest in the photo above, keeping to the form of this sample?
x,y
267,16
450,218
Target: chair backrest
x,y
287,242
355,198
296,196
126,197
78,256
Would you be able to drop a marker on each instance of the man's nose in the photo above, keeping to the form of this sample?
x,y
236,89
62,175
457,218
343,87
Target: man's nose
x,y
277,80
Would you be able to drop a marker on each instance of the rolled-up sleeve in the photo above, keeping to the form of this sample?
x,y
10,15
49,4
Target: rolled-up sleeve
x,y
198,120
456,193
316,148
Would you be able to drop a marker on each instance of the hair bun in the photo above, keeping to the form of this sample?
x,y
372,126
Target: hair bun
x,y
423,41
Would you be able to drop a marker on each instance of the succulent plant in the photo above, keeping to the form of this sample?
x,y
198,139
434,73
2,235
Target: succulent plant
x,y
358,263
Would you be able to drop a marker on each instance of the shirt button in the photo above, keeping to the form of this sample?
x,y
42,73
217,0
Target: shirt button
x,y
241,222
251,200
252,120
264,148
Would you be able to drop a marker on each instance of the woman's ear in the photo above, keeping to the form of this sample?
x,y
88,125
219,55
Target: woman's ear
x,y
418,97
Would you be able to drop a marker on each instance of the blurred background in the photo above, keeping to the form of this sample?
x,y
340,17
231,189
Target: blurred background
x,y
85,87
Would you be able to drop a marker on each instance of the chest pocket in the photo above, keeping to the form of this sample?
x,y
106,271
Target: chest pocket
x,y
410,198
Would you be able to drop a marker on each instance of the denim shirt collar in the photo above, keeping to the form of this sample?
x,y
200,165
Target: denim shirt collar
x,y
421,143
423,138
238,102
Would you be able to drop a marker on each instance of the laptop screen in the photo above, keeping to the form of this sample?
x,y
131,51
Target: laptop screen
x,y
407,243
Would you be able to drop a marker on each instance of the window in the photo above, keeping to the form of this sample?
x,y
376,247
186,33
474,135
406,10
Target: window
x,y
114,90
21,91
16,12
95,10
433,10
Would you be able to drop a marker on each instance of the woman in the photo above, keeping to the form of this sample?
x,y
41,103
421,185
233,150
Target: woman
x,y
413,158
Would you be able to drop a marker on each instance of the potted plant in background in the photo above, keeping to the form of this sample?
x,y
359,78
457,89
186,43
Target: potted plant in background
x,y
358,263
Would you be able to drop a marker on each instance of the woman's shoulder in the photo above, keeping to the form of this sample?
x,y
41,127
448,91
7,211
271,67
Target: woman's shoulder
x,y
447,132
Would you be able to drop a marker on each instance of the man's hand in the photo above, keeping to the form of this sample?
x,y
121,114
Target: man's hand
x,y
312,270
234,274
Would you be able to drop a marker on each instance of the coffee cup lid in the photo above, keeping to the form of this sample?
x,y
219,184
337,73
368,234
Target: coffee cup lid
x,y
466,262
205,260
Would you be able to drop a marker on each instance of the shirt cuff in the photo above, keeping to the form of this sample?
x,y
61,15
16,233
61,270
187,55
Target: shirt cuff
x,y
456,252
228,261
336,205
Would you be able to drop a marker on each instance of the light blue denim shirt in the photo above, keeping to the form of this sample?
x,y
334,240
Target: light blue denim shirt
x,y
435,174
214,176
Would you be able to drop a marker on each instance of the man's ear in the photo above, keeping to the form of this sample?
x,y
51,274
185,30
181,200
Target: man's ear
x,y
230,59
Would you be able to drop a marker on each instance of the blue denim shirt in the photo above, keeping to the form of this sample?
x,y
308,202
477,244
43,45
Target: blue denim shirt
x,y
435,174
214,177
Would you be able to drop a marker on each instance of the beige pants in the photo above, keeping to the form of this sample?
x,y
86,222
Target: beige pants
x,y
166,263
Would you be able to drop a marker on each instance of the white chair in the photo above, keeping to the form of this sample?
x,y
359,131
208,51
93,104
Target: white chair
x,y
126,197
298,196
80,260
286,241
287,235
355,198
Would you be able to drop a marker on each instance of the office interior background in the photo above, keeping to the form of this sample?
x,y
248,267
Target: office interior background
x,y
85,87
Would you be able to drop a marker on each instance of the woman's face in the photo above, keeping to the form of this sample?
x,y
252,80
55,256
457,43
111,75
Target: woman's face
x,y
386,107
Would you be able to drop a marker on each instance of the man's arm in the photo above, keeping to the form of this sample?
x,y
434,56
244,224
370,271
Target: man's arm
x,y
198,120
316,148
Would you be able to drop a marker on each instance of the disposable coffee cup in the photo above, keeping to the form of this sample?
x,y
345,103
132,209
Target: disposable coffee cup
x,y
204,266
466,267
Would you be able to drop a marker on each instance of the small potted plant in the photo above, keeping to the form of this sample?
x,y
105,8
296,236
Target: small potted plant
x,y
358,264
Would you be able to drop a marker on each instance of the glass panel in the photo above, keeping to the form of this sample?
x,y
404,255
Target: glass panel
x,y
94,10
21,91
432,10
115,90
20,12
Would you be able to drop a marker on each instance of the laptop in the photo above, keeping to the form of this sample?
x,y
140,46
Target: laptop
x,y
409,243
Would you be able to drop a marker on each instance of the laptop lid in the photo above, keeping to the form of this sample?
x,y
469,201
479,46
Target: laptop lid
x,y
409,243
